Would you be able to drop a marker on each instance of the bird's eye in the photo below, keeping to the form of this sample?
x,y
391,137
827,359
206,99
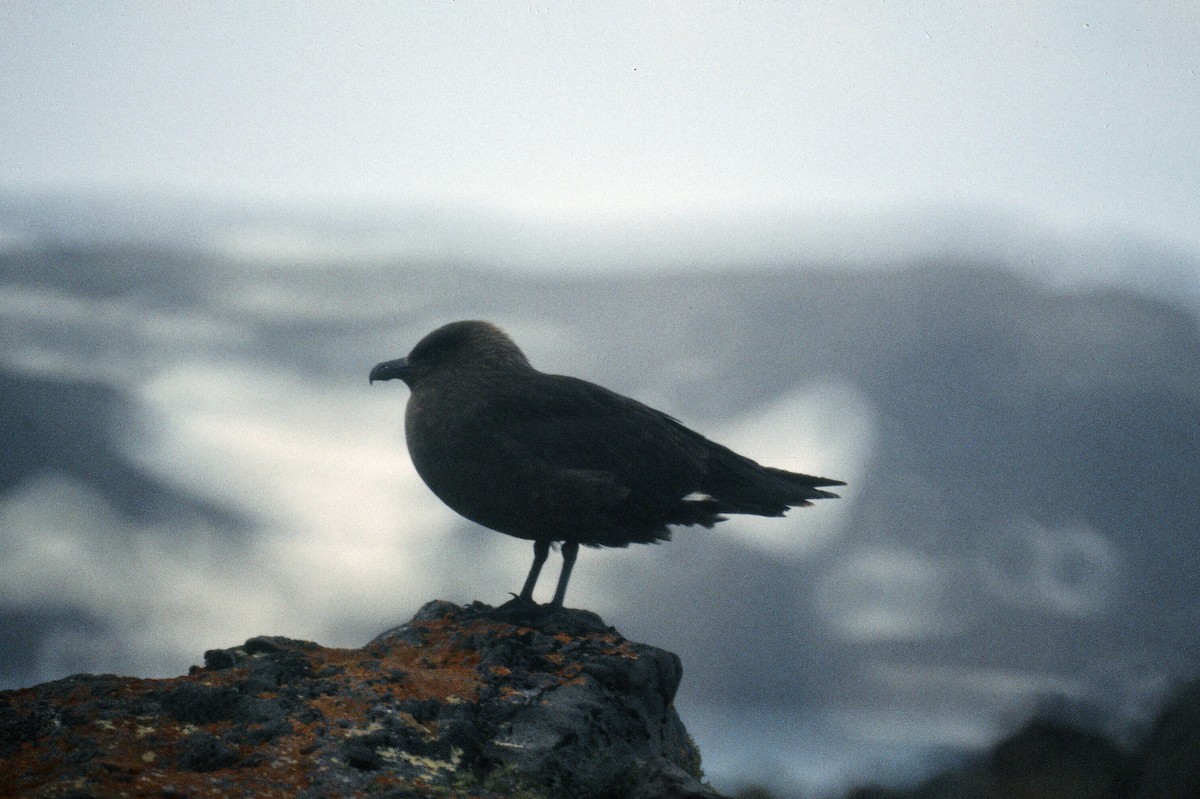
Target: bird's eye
x,y
429,353
436,347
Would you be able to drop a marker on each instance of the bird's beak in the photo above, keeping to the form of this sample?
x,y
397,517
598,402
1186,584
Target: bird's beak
x,y
390,370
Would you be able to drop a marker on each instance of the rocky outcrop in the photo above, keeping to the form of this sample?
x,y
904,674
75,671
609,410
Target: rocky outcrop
x,y
1170,756
479,702
1058,759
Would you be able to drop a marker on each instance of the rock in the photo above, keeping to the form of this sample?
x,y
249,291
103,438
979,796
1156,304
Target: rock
x,y
516,701
1171,754
1048,757
1054,758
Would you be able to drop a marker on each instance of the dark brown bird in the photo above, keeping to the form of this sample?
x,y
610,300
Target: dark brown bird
x,y
550,458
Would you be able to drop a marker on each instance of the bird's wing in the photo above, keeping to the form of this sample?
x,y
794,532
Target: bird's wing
x,y
569,424
615,451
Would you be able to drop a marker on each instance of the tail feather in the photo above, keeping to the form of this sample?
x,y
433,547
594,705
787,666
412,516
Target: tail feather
x,y
739,485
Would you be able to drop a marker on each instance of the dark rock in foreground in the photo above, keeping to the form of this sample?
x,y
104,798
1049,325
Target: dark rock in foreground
x,y
472,702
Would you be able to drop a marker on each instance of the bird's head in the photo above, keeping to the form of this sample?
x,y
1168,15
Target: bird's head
x,y
459,346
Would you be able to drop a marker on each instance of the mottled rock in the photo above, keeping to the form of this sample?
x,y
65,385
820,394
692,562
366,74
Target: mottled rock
x,y
516,701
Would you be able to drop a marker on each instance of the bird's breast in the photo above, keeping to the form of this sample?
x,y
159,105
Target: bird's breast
x,y
458,454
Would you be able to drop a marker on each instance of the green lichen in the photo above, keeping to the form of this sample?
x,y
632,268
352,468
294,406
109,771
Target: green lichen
x,y
506,781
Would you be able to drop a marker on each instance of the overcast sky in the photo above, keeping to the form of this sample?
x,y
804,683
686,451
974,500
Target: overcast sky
x,y
1059,139
1075,114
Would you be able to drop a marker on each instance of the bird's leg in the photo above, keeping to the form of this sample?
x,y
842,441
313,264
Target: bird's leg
x,y
540,550
570,550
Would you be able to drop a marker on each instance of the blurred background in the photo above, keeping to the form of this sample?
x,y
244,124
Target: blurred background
x,y
947,254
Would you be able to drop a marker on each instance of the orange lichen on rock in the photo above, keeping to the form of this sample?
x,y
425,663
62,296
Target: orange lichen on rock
x,y
472,702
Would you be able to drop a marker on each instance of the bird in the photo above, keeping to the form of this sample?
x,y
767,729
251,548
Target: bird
x,y
557,460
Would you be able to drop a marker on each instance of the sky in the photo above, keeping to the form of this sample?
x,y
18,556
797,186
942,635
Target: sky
x,y
946,254
1077,114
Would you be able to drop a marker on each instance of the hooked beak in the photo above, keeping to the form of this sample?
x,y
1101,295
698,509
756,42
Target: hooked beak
x,y
390,370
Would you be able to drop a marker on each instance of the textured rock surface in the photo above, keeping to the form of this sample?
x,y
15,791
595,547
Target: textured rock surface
x,y
476,701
